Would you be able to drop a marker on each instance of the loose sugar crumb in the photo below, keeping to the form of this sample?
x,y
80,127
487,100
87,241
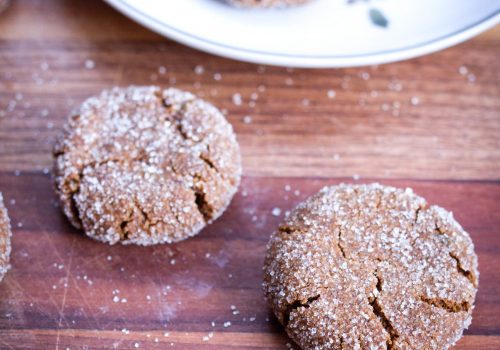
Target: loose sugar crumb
x,y
364,75
276,211
199,70
89,64
237,100
463,70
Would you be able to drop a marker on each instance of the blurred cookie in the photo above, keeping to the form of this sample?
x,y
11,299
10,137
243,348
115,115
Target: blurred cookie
x,y
144,165
266,3
371,267
5,235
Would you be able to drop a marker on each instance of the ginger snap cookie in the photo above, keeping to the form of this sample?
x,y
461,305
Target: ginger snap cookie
x,y
144,165
371,267
5,234
265,3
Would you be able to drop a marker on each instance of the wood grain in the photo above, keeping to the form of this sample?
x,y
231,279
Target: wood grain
x,y
62,283
62,288
295,130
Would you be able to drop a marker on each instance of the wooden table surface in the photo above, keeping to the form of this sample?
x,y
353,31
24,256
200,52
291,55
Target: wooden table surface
x,y
431,123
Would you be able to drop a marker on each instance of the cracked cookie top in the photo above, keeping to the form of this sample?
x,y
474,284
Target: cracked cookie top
x,y
265,3
5,234
371,267
144,165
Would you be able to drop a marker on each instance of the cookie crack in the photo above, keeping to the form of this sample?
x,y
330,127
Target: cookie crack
x,y
72,200
379,312
289,229
297,304
339,244
204,207
468,274
438,230
208,161
342,342
147,219
417,213
181,131
124,233
446,304
74,183
175,114
177,117
202,204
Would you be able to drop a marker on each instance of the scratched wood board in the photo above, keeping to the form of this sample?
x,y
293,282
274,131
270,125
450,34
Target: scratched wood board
x,y
432,124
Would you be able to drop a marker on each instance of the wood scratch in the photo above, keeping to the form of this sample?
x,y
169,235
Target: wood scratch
x,y
5,343
61,311
84,299
75,283
159,292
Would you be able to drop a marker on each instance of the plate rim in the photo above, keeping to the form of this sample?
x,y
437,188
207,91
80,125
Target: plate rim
x,y
301,61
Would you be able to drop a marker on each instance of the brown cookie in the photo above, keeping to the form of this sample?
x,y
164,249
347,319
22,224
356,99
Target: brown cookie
x,y
144,165
266,3
371,267
5,234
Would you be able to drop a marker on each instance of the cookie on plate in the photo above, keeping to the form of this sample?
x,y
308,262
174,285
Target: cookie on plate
x,y
371,267
144,165
5,235
265,3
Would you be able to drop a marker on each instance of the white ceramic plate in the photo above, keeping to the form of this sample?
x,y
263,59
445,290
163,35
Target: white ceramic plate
x,y
324,33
